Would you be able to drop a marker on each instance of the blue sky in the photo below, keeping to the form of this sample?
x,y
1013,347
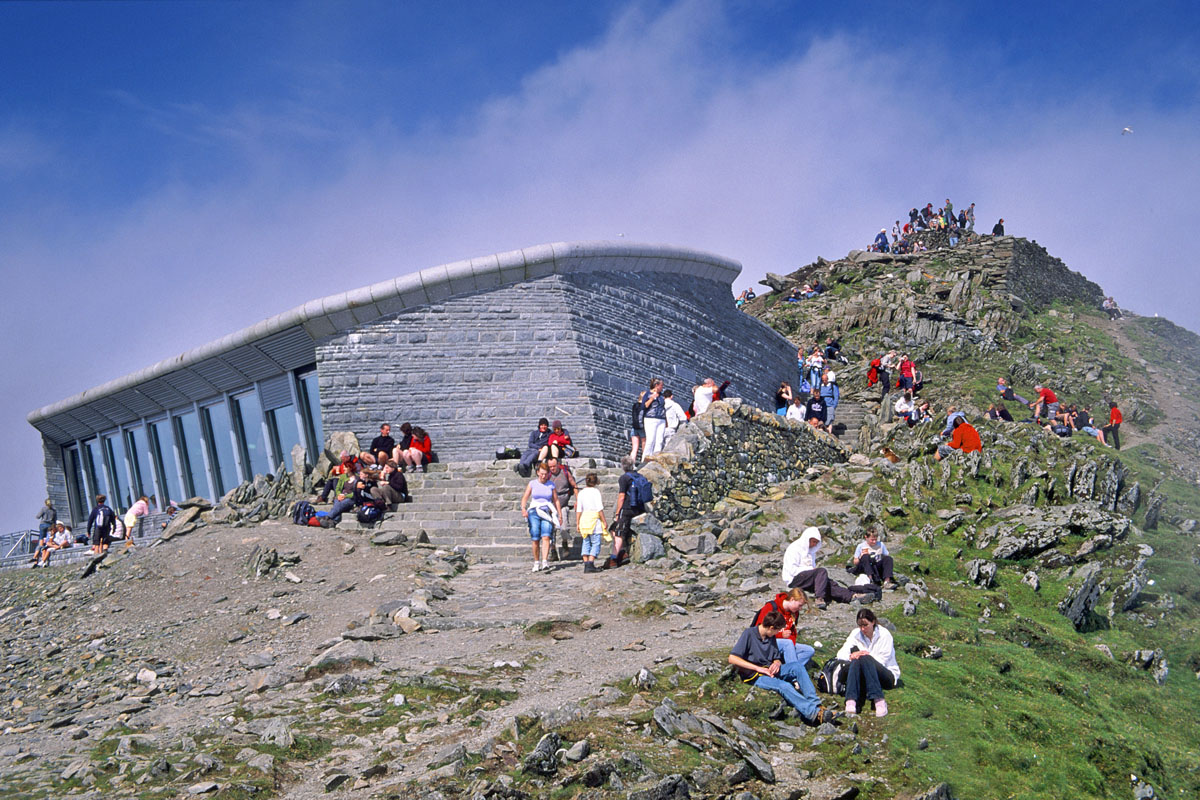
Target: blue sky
x,y
170,172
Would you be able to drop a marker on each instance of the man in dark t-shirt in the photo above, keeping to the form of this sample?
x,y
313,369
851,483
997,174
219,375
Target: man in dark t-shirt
x,y
757,659
814,411
383,445
623,515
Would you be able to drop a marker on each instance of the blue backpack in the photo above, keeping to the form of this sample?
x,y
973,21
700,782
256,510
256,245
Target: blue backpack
x,y
640,491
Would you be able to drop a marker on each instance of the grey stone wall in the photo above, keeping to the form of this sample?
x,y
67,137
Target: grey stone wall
x,y
1039,278
477,370
56,482
733,446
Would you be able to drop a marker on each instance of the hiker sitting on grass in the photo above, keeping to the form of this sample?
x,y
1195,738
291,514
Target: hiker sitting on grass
x,y
757,659
997,411
1006,392
871,558
788,604
873,667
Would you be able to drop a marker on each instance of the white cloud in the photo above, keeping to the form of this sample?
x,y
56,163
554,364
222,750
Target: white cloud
x,y
656,131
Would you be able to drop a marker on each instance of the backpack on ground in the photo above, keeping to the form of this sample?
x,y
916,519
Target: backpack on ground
x,y
315,522
302,512
640,491
369,513
832,678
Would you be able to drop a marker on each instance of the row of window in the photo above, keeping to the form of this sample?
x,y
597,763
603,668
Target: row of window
x,y
205,449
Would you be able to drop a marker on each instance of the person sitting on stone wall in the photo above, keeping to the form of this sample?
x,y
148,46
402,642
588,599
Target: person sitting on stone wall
x,y
60,539
560,441
45,541
800,571
416,457
383,445
402,445
338,475
539,443
965,440
1046,404
833,351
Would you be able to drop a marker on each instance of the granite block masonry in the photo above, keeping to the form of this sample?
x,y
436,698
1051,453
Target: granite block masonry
x,y
478,370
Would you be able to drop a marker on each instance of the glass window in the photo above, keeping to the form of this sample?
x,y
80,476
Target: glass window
x,y
254,444
311,400
216,419
143,472
190,442
115,451
94,463
285,433
162,450
77,486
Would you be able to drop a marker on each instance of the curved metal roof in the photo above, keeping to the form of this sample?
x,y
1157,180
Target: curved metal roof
x,y
286,341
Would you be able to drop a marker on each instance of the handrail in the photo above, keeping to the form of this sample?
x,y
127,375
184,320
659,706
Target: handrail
x,y
23,538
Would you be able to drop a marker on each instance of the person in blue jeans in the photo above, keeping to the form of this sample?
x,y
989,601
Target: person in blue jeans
x,y
757,659
541,509
873,668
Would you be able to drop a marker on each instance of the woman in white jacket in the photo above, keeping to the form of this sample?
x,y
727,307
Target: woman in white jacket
x,y
873,667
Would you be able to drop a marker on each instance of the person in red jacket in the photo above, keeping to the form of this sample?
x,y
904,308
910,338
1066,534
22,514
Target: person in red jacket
x,y
789,604
965,439
417,454
1046,404
1113,427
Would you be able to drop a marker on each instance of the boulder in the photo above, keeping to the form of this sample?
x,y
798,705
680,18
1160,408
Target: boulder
x,y
646,523
183,522
1080,603
345,653
343,440
543,760
982,573
699,543
1153,661
647,547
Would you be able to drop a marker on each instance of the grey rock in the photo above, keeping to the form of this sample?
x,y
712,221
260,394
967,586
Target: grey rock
x,y
345,653
759,765
647,547
543,760
1153,661
697,543
1080,602
646,524
263,762
672,787
578,751
982,573
277,732
260,660
645,679
389,538
449,754
674,722
203,787
940,792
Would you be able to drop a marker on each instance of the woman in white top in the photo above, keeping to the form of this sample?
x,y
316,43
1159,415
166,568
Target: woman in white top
x,y
589,516
796,410
873,667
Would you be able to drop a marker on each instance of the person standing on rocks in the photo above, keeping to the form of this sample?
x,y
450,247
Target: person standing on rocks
x,y
873,668
757,659
1113,428
1046,404
998,228
630,503
539,507
589,518
971,217
676,416
831,395
637,433
46,518
702,397
655,417
100,525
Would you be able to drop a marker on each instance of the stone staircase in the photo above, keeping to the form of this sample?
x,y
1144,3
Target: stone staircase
x,y
848,422
476,505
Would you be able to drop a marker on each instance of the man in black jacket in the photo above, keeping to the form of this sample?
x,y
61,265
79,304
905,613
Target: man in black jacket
x,y
100,525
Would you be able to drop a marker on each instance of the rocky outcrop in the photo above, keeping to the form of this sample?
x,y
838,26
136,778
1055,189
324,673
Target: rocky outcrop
x,y
733,447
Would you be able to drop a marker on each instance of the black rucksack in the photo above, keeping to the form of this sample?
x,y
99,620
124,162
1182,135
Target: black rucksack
x,y
640,491
302,512
832,679
104,519
369,513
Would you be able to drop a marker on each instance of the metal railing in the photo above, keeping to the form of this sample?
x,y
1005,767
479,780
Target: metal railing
x,y
148,530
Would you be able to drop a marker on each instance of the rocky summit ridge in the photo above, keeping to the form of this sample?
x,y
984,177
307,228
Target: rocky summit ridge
x,y
1046,621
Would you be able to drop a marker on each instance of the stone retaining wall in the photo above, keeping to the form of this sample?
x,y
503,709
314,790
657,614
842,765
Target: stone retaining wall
x,y
733,447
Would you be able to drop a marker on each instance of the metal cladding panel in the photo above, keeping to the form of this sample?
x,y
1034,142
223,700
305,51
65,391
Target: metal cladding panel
x,y
289,349
72,427
138,402
250,362
190,385
220,374
90,419
162,393
109,407
275,392
53,432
